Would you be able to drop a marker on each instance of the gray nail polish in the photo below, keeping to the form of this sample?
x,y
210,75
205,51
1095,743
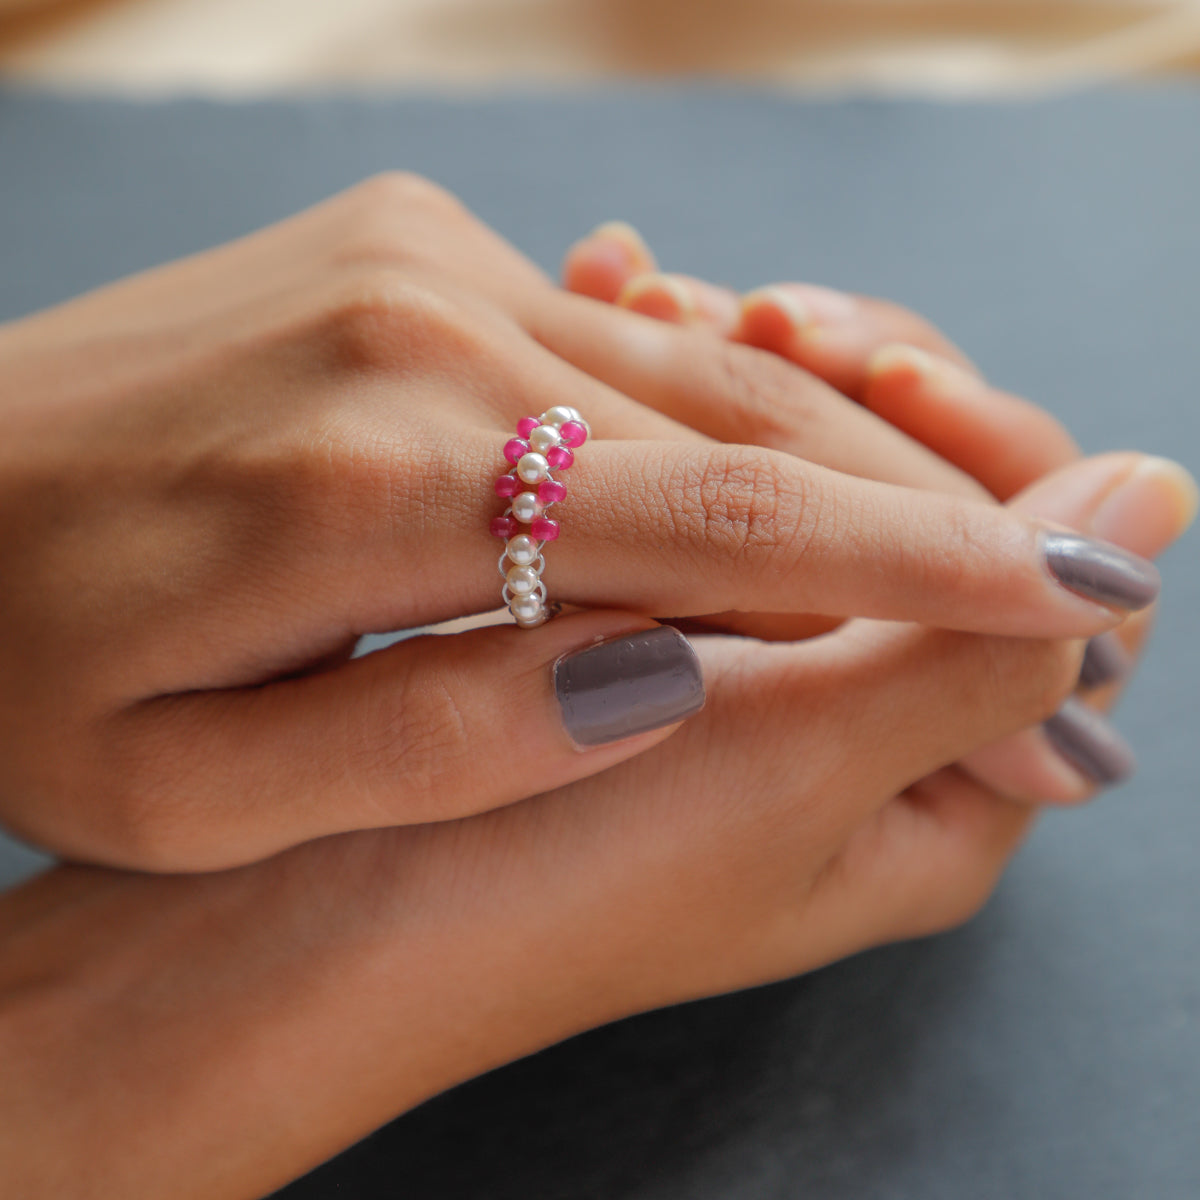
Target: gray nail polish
x,y
1104,661
627,685
1100,570
1089,743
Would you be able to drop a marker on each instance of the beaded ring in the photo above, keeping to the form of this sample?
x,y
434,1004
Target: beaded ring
x,y
543,444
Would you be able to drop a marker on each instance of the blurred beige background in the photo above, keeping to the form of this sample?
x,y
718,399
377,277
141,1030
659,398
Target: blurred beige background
x,y
239,47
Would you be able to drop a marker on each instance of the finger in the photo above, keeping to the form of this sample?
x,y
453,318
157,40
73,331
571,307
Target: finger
x,y
430,729
682,300
833,334
999,439
690,530
735,394
1143,504
600,264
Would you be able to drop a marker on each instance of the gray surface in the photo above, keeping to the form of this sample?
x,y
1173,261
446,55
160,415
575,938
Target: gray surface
x,y
1051,1050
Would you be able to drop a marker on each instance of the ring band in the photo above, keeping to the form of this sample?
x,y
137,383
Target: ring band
x,y
542,446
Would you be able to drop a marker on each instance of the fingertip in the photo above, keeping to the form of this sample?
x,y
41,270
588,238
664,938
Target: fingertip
x,y
600,264
662,297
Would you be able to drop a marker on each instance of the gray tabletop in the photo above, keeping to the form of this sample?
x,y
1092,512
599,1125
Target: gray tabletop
x,y
1051,1049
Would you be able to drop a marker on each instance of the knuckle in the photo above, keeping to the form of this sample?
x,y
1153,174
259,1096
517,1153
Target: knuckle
x,y
387,219
773,396
376,319
739,503
389,190
1028,678
416,737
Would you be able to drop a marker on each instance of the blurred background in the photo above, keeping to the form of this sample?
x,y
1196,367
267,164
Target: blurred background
x,y
249,47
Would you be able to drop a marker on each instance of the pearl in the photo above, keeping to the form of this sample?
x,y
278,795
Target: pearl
x,y
557,415
526,506
526,608
522,549
543,438
533,468
522,580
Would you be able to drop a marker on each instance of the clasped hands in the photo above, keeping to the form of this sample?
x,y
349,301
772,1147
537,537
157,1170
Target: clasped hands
x,y
373,877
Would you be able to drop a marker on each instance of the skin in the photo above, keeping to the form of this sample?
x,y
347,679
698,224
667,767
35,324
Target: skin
x,y
242,1025
218,474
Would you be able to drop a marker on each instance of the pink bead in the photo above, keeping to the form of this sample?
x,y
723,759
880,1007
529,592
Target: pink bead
x,y
559,457
544,529
550,491
573,434
508,485
504,527
526,425
514,448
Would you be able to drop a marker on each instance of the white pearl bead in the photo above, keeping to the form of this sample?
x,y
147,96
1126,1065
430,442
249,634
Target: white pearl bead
x,y
522,580
543,438
576,415
557,415
526,506
526,608
533,468
522,549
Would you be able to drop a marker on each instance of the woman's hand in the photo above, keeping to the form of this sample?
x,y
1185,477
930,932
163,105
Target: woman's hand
x,y
217,475
896,364
241,1027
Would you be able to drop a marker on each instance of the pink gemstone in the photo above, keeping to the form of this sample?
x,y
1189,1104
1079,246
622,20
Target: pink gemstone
x,y
544,529
573,434
526,425
508,485
504,527
550,491
559,457
514,448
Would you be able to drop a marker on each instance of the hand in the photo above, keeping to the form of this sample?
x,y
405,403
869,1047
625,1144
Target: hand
x,y
220,473
147,1023
904,370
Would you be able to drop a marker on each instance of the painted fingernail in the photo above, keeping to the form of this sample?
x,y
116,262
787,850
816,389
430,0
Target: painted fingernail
x,y
628,685
1104,661
1089,743
1100,571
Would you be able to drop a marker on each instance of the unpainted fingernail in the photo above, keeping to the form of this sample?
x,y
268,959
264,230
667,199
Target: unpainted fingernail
x,y
628,685
1105,660
805,304
1089,743
674,300
1100,571
1155,504
623,232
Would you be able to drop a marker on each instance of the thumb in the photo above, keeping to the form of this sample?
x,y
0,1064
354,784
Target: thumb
x,y
430,729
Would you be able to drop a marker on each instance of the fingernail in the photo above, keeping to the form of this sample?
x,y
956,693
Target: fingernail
x,y
1100,571
623,232
657,295
1089,743
1104,661
628,685
802,303
1152,507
